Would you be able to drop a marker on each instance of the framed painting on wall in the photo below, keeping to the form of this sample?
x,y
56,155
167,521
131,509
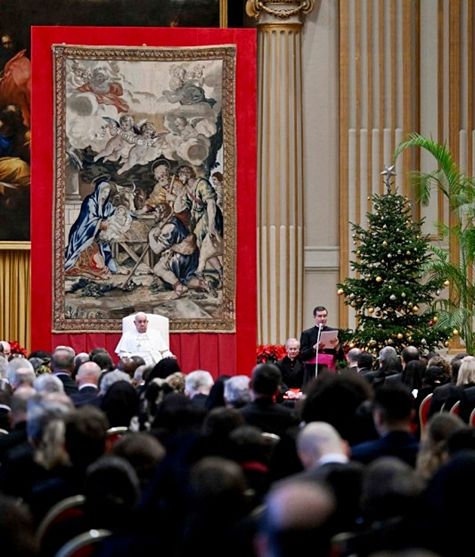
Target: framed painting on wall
x,y
15,77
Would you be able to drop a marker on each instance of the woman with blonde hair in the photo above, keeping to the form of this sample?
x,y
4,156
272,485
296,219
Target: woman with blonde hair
x,y
466,382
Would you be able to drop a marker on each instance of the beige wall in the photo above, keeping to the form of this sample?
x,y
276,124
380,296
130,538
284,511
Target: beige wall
x,y
374,71
321,176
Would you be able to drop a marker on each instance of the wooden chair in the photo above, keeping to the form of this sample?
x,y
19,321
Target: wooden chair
x,y
455,409
83,545
66,509
424,411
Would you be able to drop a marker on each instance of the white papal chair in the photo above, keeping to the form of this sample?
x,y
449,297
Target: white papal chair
x,y
155,321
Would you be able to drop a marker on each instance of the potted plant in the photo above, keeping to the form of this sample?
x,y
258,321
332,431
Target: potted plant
x,y
456,311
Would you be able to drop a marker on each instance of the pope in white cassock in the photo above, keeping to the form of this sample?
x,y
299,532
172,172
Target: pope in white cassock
x,y
148,344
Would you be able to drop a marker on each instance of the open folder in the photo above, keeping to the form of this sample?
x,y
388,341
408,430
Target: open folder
x,y
328,339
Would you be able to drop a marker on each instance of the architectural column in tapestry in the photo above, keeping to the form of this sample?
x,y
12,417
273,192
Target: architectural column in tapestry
x,y
280,166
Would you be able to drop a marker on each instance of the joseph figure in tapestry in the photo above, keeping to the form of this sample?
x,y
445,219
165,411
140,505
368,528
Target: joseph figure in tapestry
x,y
141,225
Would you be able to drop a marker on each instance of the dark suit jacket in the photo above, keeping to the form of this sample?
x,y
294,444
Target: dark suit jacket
x,y
395,443
86,395
467,402
308,338
447,394
199,401
269,416
16,437
68,382
292,372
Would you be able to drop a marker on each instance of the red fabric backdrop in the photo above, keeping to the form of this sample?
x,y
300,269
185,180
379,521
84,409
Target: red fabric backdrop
x,y
220,353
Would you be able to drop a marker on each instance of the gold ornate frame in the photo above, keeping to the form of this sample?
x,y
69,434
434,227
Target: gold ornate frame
x,y
223,318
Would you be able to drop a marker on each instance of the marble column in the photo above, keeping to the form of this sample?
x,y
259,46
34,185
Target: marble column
x,y
280,167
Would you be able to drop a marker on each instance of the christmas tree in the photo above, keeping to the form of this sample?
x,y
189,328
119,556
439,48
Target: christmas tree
x,y
391,293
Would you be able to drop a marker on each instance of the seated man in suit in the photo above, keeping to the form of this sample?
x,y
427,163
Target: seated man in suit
x,y
144,342
62,365
291,366
325,458
393,410
87,379
263,411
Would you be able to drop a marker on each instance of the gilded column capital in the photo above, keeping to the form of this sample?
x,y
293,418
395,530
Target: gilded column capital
x,y
281,9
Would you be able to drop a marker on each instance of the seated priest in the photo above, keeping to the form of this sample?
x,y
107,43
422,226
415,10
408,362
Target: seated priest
x,y
144,342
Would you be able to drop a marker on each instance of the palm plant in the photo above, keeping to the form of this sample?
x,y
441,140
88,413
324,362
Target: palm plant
x,y
457,311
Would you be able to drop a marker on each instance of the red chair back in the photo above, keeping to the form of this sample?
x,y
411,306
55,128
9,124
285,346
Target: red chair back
x,y
471,421
424,411
84,545
455,408
113,435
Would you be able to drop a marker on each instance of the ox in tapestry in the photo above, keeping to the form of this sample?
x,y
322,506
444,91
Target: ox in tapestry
x,y
145,186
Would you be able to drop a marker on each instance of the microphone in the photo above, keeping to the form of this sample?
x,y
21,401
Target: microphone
x,y
319,332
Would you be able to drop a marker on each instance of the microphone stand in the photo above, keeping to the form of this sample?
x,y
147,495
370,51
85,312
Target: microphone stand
x,y
316,349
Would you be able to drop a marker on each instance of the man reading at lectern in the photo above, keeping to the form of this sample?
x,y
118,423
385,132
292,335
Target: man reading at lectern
x,y
308,345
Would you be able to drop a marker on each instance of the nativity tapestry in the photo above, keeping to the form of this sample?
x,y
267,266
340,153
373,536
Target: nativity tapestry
x,y
145,186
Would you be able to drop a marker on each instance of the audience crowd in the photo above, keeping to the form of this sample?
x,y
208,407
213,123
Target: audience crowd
x,y
159,462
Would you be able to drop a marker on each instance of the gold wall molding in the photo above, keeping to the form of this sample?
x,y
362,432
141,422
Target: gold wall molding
x,y
278,8
280,27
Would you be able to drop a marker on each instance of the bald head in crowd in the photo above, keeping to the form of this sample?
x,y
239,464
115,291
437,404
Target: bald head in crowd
x,y
318,439
297,517
88,373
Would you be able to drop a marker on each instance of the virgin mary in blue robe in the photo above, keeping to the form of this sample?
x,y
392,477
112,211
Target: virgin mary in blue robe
x,y
95,209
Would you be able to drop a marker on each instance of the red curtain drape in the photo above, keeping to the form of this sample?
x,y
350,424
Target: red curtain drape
x,y
220,353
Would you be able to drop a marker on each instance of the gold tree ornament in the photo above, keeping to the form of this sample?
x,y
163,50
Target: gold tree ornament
x,y
340,291
378,279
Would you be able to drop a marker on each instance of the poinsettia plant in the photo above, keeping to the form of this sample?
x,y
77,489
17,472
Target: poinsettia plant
x,y
270,353
16,349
